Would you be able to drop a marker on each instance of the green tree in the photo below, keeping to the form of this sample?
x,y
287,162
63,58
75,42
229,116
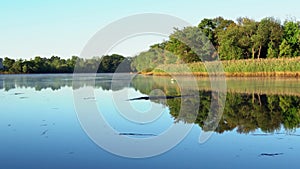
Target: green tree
x,y
267,38
113,63
16,67
191,45
212,27
147,61
275,38
8,63
221,26
208,27
285,49
291,36
229,43
247,29
72,62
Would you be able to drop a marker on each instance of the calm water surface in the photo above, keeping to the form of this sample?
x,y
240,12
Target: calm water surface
x,y
40,129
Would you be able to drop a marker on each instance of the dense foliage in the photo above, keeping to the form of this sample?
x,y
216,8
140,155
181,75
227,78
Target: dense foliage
x,y
243,39
55,64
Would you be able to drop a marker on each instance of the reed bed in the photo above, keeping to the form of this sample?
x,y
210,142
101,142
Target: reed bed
x,y
278,67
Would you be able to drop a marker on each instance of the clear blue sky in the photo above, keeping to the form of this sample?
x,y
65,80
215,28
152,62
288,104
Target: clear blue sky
x,y
35,27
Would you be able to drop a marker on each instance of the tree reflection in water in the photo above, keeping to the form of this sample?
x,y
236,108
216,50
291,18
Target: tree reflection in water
x,y
244,111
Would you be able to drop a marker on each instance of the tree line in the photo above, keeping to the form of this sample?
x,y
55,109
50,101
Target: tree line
x,y
244,38
55,64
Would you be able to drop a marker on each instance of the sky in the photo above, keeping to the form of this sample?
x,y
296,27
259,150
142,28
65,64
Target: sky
x,y
44,28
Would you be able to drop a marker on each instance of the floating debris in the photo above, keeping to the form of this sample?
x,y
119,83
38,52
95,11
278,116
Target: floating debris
x,y
89,98
261,134
71,152
9,125
23,97
44,125
18,93
136,134
44,132
271,154
160,97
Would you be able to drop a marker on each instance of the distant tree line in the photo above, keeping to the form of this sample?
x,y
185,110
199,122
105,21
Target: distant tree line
x,y
243,39
55,64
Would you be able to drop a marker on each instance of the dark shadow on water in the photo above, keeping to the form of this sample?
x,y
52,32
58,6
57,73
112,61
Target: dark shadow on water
x,y
270,154
44,132
136,134
161,97
18,93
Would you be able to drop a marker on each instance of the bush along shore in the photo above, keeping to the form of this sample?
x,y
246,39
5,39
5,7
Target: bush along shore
x,y
279,67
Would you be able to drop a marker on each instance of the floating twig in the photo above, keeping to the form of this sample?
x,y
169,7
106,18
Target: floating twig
x,y
136,134
44,132
271,154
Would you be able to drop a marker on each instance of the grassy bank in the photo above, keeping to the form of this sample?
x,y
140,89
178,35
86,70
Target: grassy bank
x,y
282,67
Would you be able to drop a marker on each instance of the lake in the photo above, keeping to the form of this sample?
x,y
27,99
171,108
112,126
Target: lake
x,y
112,121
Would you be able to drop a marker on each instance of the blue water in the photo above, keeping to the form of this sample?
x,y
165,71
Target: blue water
x,y
40,129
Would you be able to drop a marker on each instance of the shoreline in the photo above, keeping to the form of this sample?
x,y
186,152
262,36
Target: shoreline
x,y
197,74
227,74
